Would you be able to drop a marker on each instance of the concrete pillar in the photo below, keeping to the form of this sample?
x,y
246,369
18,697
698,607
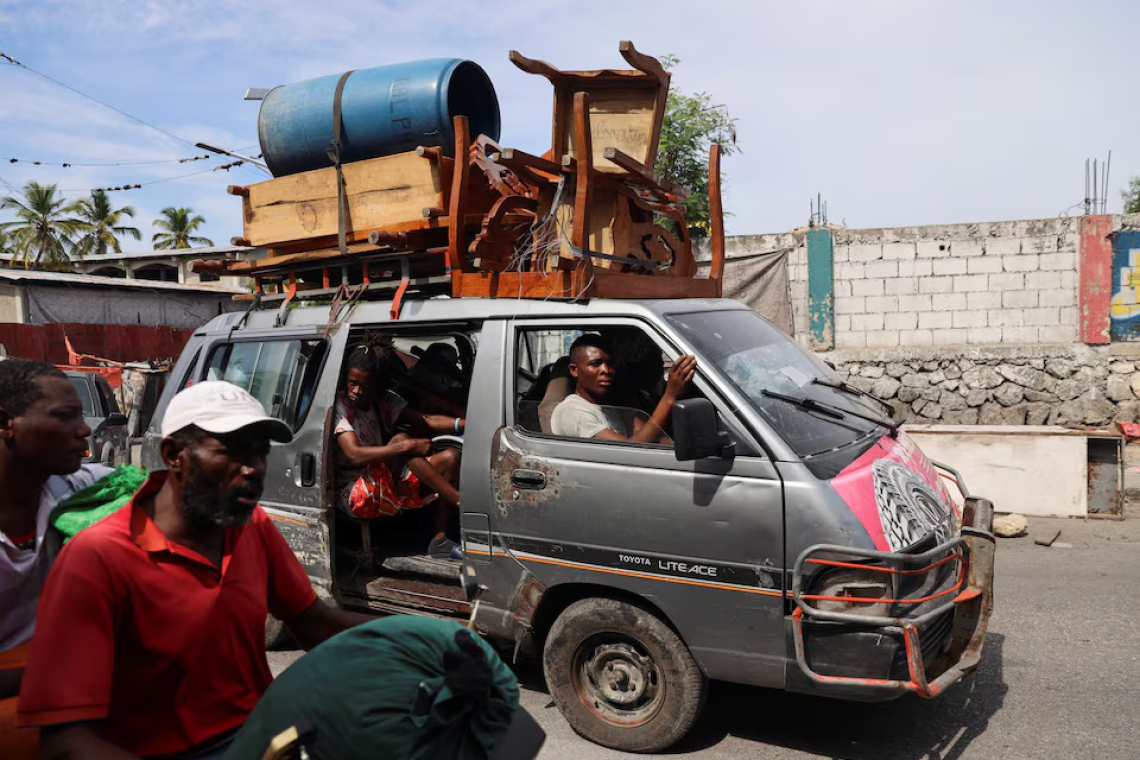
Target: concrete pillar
x,y
1095,278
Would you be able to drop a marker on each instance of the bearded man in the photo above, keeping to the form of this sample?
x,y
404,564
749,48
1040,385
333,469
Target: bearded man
x,y
150,638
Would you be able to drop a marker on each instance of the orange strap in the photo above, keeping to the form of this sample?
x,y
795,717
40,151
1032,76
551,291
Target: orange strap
x,y
14,658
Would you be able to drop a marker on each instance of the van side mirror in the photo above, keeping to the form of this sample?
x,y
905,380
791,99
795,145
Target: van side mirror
x,y
115,419
697,434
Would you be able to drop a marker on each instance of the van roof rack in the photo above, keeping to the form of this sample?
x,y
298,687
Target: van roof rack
x,y
581,221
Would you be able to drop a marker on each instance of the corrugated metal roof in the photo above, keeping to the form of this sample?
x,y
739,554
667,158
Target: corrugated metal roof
x,y
32,276
175,252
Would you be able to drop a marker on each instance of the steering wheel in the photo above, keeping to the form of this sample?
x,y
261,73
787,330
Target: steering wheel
x,y
442,442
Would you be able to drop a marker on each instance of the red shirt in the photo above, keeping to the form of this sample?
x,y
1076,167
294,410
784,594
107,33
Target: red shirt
x,y
151,638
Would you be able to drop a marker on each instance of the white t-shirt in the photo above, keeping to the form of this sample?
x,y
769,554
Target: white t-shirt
x,y
576,417
23,571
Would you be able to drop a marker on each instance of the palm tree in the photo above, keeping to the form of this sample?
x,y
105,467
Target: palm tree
x,y
6,251
103,225
44,230
179,225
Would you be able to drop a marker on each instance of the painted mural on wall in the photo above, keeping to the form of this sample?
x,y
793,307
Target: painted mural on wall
x,y
1125,310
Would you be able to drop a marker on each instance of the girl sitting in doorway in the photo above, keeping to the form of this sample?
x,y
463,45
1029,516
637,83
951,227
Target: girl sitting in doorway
x,y
382,447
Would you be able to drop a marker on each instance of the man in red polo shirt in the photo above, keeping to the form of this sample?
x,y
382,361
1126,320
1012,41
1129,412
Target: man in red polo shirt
x,y
150,638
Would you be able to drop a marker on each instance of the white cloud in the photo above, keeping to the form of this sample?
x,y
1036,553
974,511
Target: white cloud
x,y
898,112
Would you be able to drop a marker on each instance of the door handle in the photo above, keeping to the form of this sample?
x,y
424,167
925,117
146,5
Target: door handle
x,y
528,480
306,469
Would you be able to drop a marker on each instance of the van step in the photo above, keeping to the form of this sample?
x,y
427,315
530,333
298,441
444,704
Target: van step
x,y
419,594
419,564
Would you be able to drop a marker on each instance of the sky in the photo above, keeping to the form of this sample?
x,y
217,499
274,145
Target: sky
x,y
899,112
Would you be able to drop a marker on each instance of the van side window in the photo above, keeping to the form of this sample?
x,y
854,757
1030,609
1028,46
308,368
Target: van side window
x,y
614,396
188,378
281,374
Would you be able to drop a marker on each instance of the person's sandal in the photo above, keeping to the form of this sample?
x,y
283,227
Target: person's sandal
x,y
444,548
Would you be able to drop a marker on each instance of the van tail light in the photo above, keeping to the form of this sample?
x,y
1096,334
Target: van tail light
x,y
856,592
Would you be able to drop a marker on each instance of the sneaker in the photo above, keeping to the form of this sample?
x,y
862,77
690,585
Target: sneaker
x,y
444,548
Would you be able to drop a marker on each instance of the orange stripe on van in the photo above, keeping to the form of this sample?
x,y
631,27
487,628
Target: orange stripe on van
x,y
290,520
647,576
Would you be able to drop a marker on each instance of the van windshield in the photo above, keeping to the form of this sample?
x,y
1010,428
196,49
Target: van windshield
x,y
800,396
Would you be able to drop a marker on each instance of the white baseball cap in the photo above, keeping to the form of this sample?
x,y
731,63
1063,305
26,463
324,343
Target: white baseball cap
x,y
220,407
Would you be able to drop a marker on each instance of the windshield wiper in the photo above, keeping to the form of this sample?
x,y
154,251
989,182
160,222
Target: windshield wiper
x,y
839,385
834,412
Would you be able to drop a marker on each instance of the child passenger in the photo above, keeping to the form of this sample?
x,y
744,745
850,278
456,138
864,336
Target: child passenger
x,y
380,468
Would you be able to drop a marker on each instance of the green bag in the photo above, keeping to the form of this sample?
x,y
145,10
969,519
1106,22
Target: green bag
x,y
398,687
103,497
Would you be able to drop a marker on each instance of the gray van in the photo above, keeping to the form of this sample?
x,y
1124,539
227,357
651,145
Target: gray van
x,y
783,533
109,443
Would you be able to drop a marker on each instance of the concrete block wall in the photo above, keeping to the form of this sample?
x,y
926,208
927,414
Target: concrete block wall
x,y
993,283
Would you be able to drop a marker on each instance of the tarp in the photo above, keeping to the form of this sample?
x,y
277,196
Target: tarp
x,y
761,281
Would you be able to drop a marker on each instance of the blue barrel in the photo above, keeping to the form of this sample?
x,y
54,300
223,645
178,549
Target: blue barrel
x,y
384,110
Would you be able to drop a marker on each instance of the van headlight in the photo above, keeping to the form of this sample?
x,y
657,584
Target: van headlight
x,y
856,592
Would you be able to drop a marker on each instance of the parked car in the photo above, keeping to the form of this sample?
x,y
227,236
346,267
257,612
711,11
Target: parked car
x,y
782,533
109,443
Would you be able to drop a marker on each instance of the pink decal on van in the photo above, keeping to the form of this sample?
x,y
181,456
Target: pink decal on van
x,y
897,495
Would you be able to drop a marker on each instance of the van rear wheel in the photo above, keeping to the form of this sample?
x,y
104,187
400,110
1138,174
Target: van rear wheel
x,y
621,676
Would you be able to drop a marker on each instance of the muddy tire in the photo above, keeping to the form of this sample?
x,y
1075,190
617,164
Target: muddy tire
x,y
622,677
277,636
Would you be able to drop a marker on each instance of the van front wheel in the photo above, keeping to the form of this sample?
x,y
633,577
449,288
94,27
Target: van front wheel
x,y
621,676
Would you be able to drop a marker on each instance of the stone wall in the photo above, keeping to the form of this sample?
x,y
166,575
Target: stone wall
x,y
1045,385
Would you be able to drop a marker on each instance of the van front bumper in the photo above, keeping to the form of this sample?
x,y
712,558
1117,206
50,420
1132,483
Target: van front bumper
x,y
966,605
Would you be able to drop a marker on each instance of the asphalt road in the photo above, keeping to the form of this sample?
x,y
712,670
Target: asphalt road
x,y
1058,678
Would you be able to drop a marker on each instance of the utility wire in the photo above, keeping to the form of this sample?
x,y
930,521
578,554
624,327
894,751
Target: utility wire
x,y
139,185
119,111
12,61
69,164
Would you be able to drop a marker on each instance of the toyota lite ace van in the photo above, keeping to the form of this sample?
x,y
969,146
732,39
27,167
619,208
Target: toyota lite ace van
x,y
783,532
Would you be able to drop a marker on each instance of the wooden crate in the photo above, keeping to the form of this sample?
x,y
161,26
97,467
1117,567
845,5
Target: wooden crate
x,y
386,192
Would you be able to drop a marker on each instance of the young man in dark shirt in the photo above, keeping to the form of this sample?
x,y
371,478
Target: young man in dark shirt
x,y
43,440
